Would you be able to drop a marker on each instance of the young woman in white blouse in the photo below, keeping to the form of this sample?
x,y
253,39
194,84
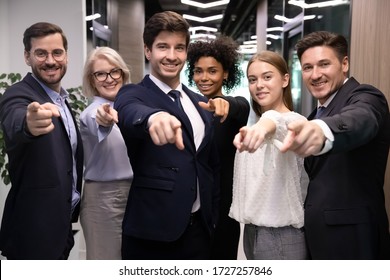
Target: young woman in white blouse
x,y
269,186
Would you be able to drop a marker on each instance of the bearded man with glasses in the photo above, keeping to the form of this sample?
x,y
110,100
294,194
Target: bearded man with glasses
x,y
45,153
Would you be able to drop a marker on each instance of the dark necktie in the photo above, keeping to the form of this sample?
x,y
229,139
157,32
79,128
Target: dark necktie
x,y
320,111
175,94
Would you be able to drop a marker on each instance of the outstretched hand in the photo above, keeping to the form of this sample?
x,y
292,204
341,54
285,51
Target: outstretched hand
x,y
165,128
219,106
250,138
106,115
39,117
305,138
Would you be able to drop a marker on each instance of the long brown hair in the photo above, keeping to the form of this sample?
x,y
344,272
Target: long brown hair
x,y
280,64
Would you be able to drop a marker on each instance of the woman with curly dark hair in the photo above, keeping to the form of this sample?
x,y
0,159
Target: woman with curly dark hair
x,y
213,66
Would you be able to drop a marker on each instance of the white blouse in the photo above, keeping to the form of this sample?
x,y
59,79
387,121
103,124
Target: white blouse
x,y
269,187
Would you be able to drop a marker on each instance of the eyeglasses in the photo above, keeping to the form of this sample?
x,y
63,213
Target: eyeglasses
x,y
42,55
115,74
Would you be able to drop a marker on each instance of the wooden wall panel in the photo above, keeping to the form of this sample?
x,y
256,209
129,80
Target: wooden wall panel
x,y
370,52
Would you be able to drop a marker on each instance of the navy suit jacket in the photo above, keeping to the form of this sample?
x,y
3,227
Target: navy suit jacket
x,y
37,214
165,178
345,215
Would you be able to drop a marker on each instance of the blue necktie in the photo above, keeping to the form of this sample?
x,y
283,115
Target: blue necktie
x,y
175,94
320,111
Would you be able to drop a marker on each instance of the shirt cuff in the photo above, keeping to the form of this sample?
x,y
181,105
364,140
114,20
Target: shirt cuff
x,y
152,116
328,145
103,132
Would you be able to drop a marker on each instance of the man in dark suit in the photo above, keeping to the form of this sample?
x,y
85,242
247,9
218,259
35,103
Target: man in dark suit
x,y
44,151
346,149
172,205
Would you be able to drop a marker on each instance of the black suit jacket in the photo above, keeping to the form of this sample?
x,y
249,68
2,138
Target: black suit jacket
x,y
345,216
165,178
37,214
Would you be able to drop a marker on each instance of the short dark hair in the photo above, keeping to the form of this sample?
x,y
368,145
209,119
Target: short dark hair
x,y
323,38
42,29
165,21
224,50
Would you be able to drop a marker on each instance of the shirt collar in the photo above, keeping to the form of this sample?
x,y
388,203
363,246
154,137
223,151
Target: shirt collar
x,y
327,102
63,94
163,86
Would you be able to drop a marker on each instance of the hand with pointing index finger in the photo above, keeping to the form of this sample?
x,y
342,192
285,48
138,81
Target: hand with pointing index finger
x,y
39,117
165,128
219,106
106,115
305,138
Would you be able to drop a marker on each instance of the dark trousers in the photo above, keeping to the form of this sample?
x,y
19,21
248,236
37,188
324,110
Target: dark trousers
x,y
64,255
226,239
194,244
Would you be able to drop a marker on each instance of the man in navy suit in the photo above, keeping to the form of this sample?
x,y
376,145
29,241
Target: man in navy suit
x,y
346,149
172,206
45,153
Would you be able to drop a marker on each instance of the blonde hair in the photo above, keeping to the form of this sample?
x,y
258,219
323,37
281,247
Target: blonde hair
x,y
113,57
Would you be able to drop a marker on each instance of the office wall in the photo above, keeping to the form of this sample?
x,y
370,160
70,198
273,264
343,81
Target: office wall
x,y
17,15
370,55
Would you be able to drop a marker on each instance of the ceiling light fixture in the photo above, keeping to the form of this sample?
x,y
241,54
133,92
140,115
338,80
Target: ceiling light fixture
x,y
282,18
203,28
252,42
207,5
247,49
323,4
287,20
205,19
92,17
202,36
278,28
275,37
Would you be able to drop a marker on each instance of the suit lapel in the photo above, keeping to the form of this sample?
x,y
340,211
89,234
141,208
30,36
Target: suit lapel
x,y
166,103
203,114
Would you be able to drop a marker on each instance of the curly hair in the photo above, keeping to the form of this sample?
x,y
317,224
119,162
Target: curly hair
x,y
224,50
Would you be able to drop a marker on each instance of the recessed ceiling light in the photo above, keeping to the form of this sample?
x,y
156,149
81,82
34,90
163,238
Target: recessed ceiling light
x,y
303,5
202,36
203,28
207,5
92,17
205,19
